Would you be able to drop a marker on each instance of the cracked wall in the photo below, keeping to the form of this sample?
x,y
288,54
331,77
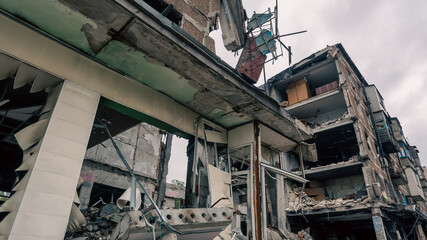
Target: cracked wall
x,y
139,145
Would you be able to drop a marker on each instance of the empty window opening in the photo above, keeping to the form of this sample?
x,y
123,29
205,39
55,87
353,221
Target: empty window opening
x,y
102,194
336,145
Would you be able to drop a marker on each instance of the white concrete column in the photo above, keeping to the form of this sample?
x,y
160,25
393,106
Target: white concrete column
x,y
282,202
54,148
379,228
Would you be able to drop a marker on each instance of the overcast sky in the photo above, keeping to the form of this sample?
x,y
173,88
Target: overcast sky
x,y
387,40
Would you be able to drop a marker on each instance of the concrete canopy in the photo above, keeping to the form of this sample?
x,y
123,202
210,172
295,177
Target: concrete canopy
x,y
139,44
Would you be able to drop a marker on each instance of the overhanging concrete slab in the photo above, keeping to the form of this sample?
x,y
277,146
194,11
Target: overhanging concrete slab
x,y
151,50
336,170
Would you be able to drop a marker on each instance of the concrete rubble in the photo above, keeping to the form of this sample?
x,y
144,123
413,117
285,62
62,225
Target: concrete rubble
x,y
345,116
100,223
304,203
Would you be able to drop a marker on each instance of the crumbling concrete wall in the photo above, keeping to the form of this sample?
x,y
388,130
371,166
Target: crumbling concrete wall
x,y
139,145
328,116
199,18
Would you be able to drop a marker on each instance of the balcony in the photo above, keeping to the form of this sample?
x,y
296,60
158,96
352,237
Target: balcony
x,y
385,133
397,177
414,185
335,170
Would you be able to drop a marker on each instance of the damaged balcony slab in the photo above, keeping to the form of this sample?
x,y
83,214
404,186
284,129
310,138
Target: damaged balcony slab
x,y
333,124
355,213
321,103
304,204
199,223
351,167
149,49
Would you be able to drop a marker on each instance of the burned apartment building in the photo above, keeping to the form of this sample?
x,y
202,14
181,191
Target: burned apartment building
x,y
89,84
367,181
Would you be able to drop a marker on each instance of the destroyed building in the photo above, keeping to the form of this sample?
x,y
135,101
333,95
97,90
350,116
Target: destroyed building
x,y
92,92
367,180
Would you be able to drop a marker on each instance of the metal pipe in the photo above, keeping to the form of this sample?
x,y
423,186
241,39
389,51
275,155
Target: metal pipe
x,y
290,34
285,173
133,194
196,158
301,160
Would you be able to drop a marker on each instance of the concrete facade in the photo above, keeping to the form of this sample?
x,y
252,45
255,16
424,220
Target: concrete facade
x,y
358,152
146,65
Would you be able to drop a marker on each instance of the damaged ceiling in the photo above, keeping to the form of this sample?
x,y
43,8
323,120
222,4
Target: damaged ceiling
x,y
122,35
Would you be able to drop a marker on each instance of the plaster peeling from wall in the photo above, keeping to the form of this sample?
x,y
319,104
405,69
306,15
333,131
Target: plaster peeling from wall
x,y
228,118
130,61
67,24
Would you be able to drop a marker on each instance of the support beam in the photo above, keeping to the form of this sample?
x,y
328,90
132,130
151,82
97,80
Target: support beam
x,y
379,227
40,208
256,200
163,169
282,202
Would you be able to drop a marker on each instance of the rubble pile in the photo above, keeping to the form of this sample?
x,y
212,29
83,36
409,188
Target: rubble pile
x,y
303,202
100,223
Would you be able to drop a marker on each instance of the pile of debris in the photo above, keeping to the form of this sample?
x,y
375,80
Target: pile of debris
x,y
100,223
300,201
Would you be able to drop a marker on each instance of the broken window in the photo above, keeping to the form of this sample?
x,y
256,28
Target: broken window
x,y
336,145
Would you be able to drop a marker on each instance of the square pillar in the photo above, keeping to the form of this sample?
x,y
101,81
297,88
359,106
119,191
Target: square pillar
x,y
54,148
